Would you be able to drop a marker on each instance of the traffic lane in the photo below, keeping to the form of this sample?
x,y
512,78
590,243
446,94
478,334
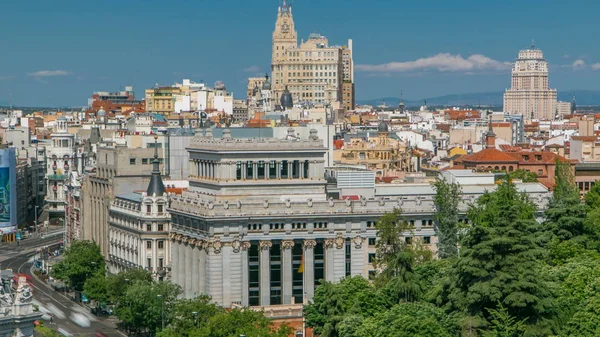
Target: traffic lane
x,y
62,307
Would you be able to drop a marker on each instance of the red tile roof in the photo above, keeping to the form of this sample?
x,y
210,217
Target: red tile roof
x,y
585,138
488,156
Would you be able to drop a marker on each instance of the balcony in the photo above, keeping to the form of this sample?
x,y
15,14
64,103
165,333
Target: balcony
x,y
57,177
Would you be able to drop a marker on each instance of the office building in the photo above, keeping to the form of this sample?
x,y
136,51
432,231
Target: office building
x,y
530,94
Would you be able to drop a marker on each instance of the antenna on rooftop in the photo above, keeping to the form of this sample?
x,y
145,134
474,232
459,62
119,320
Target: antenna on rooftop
x,y
532,43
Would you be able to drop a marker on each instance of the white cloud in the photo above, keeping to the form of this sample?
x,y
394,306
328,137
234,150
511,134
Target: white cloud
x,y
252,69
49,73
7,78
578,64
443,62
596,66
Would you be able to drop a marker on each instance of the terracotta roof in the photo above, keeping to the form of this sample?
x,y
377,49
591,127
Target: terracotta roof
x,y
554,146
488,156
585,138
545,157
462,114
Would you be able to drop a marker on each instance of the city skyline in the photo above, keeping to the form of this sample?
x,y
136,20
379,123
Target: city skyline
x,y
62,53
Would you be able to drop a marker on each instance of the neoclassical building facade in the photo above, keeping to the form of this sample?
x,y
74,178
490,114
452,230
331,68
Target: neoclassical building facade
x,y
256,227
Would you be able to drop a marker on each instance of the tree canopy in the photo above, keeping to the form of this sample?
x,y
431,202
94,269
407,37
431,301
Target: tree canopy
x,y
83,260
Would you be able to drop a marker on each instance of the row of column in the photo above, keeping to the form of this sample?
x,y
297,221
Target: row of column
x,y
227,170
334,265
188,259
206,168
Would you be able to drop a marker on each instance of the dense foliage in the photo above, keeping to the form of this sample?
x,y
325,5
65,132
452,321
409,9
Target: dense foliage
x,y
83,260
505,274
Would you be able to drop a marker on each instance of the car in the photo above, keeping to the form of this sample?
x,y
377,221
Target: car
x,y
80,320
100,334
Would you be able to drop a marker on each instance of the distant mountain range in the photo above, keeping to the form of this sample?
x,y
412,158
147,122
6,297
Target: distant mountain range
x,y
583,97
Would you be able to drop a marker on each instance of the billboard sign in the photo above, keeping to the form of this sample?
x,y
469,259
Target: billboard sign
x,y
8,190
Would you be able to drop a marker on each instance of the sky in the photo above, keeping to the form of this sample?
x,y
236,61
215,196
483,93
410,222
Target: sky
x,y
57,53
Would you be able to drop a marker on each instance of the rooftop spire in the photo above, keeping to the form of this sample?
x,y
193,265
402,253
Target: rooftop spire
x,y
156,186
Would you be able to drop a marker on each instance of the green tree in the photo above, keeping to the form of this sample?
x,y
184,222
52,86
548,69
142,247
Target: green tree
x,y
190,315
145,306
332,303
117,284
503,324
586,320
414,319
565,215
446,199
95,288
396,259
500,261
525,176
83,259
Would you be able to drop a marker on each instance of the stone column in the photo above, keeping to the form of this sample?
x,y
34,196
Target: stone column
x,y
255,170
267,169
265,273
244,170
195,268
245,274
301,175
188,269
329,261
357,257
202,267
181,264
287,267
309,269
278,169
289,168
174,261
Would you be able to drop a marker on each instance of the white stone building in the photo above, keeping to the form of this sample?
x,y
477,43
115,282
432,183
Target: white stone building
x,y
61,156
258,228
530,94
138,227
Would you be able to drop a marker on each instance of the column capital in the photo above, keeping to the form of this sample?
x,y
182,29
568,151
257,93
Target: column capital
x,y
246,245
358,241
329,243
309,244
216,244
339,241
287,244
265,245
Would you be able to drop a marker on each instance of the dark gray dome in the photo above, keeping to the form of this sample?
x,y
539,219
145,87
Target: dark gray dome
x,y
266,84
286,99
383,127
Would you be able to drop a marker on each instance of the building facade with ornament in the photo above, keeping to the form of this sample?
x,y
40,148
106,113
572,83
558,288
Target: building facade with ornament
x,y
257,226
530,94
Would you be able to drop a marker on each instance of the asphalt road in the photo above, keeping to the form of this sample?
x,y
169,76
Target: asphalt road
x,y
20,260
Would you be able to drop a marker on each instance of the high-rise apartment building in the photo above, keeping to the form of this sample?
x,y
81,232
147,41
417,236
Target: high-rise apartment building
x,y
530,94
313,71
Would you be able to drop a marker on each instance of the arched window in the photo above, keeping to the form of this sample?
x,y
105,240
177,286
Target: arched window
x,y
503,168
510,169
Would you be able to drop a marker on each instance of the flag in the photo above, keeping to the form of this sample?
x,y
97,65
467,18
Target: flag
x,y
301,267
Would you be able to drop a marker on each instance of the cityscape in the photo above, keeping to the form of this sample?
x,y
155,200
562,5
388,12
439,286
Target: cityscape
x,y
303,203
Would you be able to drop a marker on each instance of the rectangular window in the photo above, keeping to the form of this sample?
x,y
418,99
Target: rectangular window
x,y
148,208
348,257
149,228
275,274
160,209
160,262
149,263
284,169
144,161
238,170
319,268
427,240
249,170
253,275
161,228
408,240
149,244
131,161
261,169
161,245
372,257
297,272
372,242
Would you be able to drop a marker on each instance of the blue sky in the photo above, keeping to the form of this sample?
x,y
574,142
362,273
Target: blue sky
x,y
59,52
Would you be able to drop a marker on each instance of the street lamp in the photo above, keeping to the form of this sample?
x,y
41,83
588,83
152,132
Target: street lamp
x,y
195,314
36,220
162,310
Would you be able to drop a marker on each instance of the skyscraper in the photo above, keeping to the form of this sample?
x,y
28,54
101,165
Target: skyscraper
x,y
312,71
530,94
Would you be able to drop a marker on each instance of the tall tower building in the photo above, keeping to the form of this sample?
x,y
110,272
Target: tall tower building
x,y
530,94
313,71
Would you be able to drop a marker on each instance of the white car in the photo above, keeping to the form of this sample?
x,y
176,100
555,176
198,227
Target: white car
x,y
80,320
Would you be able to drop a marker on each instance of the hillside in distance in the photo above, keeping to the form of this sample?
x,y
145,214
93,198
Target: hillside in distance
x,y
583,97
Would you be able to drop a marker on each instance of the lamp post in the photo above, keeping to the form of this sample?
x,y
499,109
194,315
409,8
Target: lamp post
x,y
195,314
35,225
162,311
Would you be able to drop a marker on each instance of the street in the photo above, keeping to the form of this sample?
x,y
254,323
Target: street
x,y
60,308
